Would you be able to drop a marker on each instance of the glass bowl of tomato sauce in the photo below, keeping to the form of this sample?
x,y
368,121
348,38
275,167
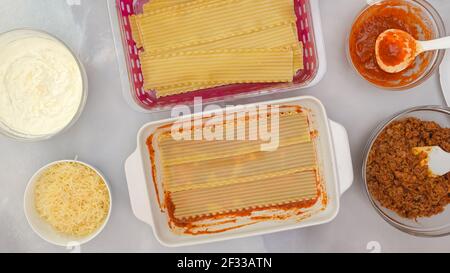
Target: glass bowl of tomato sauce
x,y
418,18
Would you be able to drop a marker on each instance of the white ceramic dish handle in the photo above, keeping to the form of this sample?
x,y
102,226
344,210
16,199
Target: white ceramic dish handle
x,y
343,156
137,188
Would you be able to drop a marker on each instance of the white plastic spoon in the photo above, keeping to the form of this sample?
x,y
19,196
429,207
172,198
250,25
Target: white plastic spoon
x,y
438,160
396,49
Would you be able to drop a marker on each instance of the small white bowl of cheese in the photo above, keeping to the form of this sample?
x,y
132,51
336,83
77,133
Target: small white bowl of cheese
x,y
67,202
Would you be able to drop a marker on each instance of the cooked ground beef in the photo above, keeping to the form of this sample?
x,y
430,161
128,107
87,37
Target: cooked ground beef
x,y
394,175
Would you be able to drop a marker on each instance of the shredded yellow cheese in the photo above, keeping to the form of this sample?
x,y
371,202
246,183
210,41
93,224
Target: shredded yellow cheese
x,y
72,198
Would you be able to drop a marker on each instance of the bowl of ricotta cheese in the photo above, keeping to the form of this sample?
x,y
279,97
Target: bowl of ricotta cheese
x,y
43,85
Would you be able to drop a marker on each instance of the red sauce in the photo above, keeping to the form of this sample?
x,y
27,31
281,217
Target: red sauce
x,y
193,227
395,47
393,14
151,151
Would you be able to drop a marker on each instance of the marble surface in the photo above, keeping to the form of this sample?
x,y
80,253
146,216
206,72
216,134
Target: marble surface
x,y
105,135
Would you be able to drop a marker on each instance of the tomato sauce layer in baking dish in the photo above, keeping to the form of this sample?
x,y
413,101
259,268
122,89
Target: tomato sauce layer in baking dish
x,y
209,186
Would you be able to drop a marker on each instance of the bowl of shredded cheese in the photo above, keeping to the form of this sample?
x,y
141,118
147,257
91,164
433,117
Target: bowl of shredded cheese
x,y
67,202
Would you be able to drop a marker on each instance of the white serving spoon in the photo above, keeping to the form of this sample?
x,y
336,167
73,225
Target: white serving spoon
x,y
401,43
438,160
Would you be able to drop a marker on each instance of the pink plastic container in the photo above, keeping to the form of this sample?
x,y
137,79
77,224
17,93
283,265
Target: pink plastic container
x,y
309,28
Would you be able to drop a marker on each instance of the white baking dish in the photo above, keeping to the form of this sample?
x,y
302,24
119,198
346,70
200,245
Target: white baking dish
x,y
334,160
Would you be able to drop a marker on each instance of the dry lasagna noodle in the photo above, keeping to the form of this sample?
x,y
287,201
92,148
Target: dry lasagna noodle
x,y
283,36
216,21
211,177
188,26
162,6
155,6
278,36
189,86
225,66
135,32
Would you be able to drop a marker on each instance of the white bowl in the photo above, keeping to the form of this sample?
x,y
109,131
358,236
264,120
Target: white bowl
x,y
44,229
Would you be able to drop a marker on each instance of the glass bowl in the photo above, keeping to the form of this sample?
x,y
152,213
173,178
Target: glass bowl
x,y
434,22
16,34
44,229
437,225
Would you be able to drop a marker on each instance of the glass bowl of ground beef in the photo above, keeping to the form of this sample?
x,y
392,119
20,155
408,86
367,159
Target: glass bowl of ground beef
x,y
398,186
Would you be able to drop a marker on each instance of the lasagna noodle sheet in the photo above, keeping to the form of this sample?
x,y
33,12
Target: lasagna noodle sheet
x,y
237,24
218,66
188,87
160,6
212,22
295,187
279,36
293,129
135,32
211,177
239,169
282,36
298,57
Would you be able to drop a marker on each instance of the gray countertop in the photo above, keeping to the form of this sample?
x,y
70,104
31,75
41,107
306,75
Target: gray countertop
x,y
105,136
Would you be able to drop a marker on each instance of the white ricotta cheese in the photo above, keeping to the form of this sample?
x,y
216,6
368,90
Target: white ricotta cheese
x,y
41,84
